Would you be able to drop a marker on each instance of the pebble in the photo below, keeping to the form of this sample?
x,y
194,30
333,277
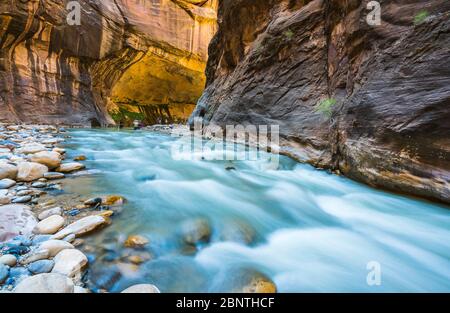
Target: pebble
x,y
54,175
39,185
73,212
7,183
69,262
31,148
50,225
46,283
93,201
42,266
23,199
47,213
40,239
80,158
8,259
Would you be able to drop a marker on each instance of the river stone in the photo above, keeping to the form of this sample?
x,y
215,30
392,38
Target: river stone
x,y
70,167
54,175
19,273
16,219
29,171
42,266
8,259
69,262
80,227
142,288
8,171
23,199
46,283
55,246
59,150
31,148
135,241
7,183
113,200
196,231
50,225
80,158
34,256
4,272
47,213
48,158
5,200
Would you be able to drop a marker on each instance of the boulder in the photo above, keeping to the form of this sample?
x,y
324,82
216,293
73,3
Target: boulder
x,y
29,171
69,262
45,283
50,159
16,219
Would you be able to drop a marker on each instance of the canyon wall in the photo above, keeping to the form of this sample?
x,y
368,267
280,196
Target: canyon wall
x,y
372,102
124,55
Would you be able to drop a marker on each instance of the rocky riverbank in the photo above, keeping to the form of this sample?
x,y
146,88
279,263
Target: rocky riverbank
x,y
39,237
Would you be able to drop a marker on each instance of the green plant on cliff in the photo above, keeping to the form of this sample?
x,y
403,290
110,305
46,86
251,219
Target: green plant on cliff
x,y
289,34
420,17
326,107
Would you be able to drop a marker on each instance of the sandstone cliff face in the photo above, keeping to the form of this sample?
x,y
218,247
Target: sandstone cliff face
x,y
370,101
56,73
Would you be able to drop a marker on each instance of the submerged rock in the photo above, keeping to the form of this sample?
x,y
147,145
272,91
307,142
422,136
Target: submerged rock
x,y
136,241
196,231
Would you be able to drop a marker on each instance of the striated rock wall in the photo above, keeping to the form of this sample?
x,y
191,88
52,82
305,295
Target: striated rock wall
x,y
372,102
51,72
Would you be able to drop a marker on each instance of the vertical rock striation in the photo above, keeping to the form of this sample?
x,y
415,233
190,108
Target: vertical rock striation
x,y
52,72
370,101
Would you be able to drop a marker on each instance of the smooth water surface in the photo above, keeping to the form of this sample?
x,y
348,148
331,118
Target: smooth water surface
x,y
306,229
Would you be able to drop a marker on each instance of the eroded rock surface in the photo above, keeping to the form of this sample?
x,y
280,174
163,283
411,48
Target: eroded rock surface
x,y
52,72
369,101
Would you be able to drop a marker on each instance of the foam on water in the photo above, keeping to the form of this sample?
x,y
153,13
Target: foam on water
x,y
312,231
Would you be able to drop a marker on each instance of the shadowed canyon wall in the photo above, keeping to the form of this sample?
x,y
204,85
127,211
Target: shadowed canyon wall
x,y
144,57
372,102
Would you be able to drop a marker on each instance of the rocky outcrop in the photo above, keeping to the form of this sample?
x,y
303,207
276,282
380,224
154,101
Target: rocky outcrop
x,y
369,101
124,53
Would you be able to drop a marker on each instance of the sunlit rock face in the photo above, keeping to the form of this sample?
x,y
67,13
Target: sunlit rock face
x,y
370,101
125,55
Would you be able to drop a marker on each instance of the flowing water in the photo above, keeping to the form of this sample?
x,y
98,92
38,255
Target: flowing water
x,y
305,229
